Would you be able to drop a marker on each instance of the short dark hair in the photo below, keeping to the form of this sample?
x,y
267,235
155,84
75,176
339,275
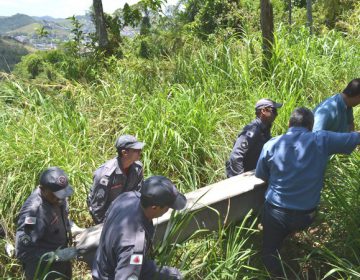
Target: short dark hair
x,y
302,117
353,88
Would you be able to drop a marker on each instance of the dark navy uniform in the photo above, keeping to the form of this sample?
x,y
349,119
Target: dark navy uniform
x,y
42,228
247,148
125,244
109,182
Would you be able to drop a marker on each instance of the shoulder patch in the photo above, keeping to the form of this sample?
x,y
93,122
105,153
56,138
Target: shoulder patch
x,y
104,181
249,133
30,220
136,259
244,144
25,239
133,277
100,193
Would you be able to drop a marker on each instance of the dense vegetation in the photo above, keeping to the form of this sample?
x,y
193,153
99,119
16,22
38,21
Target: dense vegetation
x,y
187,100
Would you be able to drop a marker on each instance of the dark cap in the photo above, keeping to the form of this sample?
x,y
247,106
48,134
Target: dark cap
x,y
128,142
162,192
265,102
56,180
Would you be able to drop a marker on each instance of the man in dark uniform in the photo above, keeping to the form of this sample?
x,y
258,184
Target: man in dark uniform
x,y
120,174
126,238
43,227
252,138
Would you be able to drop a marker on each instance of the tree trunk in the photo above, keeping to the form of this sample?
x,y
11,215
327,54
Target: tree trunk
x,y
267,28
100,26
309,15
290,12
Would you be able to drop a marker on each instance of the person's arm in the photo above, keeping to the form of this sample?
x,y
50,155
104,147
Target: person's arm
x,y
130,264
133,264
241,147
31,228
140,174
341,143
322,120
98,198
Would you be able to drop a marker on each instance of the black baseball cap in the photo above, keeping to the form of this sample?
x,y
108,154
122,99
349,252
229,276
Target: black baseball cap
x,y
128,142
265,102
56,180
162,192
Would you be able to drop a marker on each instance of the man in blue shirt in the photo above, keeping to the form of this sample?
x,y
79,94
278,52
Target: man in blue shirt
x,y
252,138
336,112
293,165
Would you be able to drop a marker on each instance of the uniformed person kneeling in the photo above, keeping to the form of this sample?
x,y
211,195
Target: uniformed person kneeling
x,y
123,252
43,228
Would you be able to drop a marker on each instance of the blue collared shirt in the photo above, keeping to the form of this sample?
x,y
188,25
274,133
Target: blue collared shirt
x,y
333,115
294,164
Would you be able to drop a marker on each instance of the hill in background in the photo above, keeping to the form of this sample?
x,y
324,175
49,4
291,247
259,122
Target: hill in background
x,y
11,52
14,22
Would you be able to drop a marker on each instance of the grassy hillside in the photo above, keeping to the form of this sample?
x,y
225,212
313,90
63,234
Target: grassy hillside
x,y
11,52
30,30
14,22
188,108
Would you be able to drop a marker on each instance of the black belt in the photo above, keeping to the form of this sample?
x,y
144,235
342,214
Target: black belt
x,y
292,210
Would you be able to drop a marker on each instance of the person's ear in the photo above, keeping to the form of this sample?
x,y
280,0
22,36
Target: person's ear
x,y
124,152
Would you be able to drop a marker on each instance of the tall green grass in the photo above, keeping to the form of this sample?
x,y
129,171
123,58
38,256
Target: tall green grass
x,y
188,108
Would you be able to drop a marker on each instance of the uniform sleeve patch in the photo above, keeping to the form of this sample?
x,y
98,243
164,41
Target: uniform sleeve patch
x,y
30,220
133,277
25,239
100,194
244,144
249,134
136,259
104,181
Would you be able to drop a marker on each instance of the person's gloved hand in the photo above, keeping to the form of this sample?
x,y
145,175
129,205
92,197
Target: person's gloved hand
x,y
65,254
171,273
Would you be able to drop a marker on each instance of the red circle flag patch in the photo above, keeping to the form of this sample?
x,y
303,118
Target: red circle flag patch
x,y
136,259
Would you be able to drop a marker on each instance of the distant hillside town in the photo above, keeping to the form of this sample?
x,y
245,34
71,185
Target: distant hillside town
x,y
25,29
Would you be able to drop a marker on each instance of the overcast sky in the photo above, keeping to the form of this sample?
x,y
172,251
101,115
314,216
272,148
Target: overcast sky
x,y
56,8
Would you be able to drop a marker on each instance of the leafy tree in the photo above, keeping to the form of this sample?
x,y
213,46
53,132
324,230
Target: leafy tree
x,y
42,32
74,45
331,11
209,16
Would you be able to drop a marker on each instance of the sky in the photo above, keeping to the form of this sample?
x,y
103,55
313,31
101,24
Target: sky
x,y
56,8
